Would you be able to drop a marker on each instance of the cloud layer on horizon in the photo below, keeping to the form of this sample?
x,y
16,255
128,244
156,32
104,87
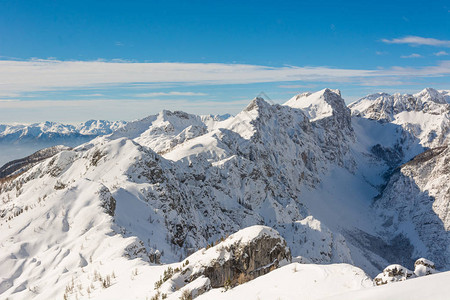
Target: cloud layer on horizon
x,y
18,77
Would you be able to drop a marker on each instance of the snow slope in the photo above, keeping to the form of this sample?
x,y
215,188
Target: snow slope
x,y
427,287
298,281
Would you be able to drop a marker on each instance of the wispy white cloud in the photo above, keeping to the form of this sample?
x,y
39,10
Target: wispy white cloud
x,y
92,95
297,86
9,100
384,81
441,53
418,41
413,55
8,94
18,77
162,94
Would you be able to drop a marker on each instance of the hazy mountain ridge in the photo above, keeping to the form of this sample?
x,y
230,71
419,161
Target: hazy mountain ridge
x,y
20,140
52,130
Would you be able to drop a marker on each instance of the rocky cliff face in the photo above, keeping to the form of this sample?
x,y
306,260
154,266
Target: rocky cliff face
x,y
416,204
332,120
241,257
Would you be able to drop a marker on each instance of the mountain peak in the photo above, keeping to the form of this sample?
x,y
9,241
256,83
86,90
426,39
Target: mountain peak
x,y
257,102
318,105
430,94
385,107
331,91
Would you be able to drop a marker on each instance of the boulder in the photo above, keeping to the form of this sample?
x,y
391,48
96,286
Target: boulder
x,y
241,257
393,273
423,267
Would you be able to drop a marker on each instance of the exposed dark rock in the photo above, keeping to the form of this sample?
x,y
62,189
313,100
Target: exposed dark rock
x,y
107,200
245,255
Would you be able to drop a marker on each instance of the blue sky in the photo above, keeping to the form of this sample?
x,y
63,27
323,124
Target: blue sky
x,y
71,61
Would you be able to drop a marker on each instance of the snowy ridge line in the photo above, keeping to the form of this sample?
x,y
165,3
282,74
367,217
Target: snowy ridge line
x,y
238,118
18,166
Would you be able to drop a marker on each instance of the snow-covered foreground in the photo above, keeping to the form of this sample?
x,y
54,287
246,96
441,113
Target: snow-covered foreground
x,y
297,281
434,287
332,282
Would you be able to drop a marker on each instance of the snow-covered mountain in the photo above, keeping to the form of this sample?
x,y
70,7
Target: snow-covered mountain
x,y
52,130
18,166
17,141
321,174
167,129
426,114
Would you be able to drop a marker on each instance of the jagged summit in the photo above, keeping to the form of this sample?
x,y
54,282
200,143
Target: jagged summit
x,y
425,114
318,105
256,103
430,94
384,107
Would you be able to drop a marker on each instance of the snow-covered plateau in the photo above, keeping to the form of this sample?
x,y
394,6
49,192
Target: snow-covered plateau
x,y
312,199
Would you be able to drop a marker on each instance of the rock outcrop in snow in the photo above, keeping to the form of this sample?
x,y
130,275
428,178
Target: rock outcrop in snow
x,y
394,273
423,267
241,257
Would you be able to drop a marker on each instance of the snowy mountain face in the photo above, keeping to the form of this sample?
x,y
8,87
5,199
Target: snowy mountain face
x,y
164,131
331,119
21,165
426,115
415,204
161,188
446,94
